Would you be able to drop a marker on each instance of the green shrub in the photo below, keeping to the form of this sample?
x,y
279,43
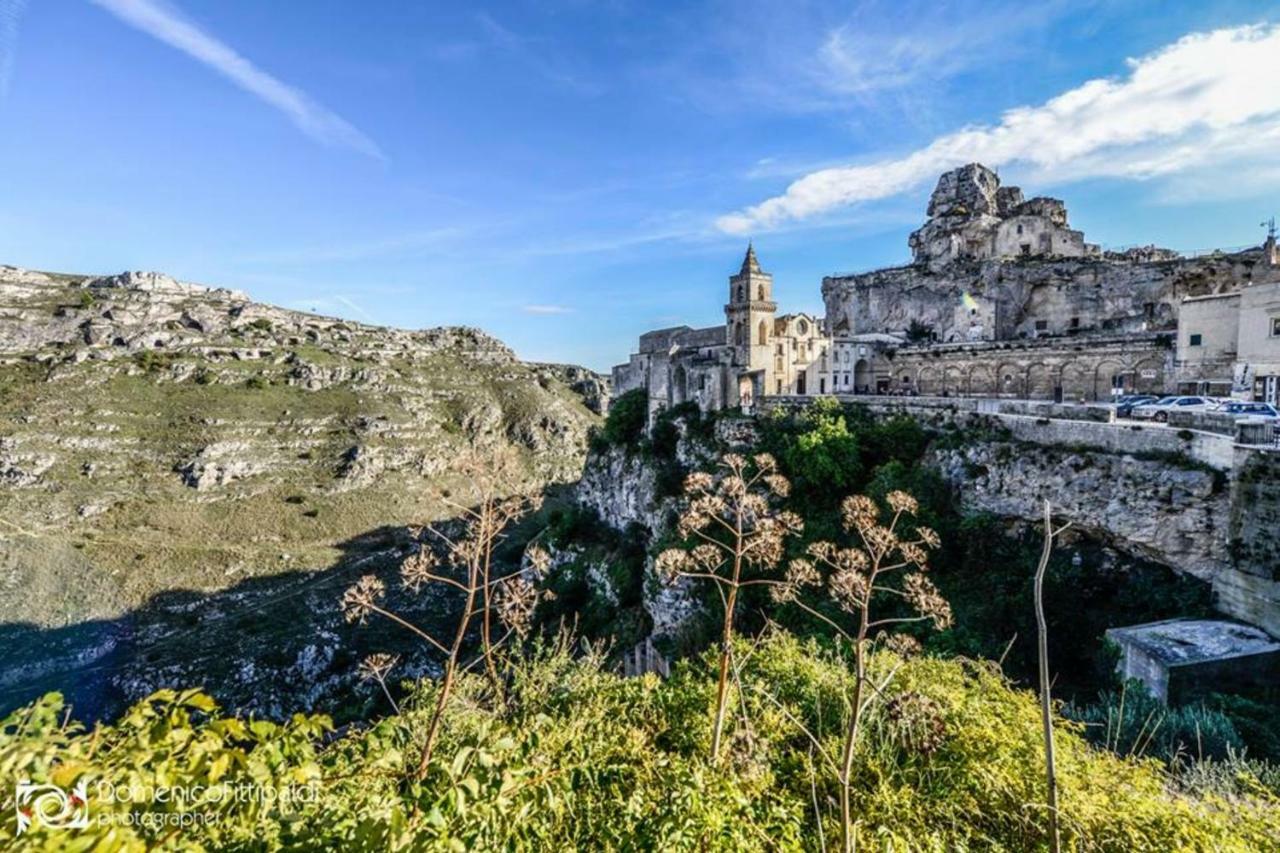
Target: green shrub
x,y
577,758
1133,722
625,423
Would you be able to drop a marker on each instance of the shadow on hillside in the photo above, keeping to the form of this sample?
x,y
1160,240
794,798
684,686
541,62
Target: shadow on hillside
x,y
269,645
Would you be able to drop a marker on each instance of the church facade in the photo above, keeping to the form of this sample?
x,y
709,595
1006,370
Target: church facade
x,y
757,352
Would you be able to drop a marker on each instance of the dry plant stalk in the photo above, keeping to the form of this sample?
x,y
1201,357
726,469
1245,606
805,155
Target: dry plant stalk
x,y
1046,702
856,575
739,534
467,567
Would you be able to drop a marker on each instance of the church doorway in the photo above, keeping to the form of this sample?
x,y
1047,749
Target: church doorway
x,y
862,377
679,391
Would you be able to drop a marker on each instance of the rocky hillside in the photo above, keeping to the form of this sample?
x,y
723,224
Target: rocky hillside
x,y
186,476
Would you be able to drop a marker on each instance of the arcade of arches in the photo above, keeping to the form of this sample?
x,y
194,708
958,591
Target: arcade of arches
x,y
1065,372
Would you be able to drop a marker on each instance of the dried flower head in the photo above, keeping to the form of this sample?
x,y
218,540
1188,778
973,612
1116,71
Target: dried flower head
x,y
791,524
903,645
859,512
925,598
928,538
359,600
849,560
881,540
778,484
707,557
902,502
377,666
698,482
820,550
516,599
670,563
538,561
849,588
802,572
418,568
913,553
765,463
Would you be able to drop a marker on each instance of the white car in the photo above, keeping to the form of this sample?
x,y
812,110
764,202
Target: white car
x,y
1251,410
1160,409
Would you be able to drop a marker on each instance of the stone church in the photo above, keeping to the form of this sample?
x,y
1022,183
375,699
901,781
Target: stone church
x,y
756,352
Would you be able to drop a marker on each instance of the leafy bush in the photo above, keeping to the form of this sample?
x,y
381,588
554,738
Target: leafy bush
x,y
578,758
625,423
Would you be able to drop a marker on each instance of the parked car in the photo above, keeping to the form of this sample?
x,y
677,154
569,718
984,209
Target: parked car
x,y
1160,409
1251,410
1125,405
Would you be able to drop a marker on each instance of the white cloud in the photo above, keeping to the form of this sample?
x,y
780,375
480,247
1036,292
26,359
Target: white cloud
x,y
169,26
546,310
1205,97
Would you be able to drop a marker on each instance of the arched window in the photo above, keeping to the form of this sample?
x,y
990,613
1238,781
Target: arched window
x,y
760,293
740,333
739,293
764,333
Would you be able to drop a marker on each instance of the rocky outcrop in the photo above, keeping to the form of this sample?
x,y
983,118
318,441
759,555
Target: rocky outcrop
x,y
621,488
1215,525
990,266
1173,515
219,464
161,441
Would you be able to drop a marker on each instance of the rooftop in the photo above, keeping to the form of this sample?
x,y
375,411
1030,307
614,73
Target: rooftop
x,y
1177,642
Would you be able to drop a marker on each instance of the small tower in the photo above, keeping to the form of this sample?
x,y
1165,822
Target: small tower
x,y
1270,251
749,315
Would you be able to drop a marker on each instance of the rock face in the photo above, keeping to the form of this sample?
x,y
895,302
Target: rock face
x,y
173,455
972,216
988,265
1175,516
622,489
1217,526
1007,299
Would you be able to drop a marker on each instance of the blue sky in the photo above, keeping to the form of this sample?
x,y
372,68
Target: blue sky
x,y
568,174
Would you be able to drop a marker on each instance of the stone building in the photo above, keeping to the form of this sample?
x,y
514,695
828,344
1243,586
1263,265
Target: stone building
x,y
1002,298
756,352
1229,344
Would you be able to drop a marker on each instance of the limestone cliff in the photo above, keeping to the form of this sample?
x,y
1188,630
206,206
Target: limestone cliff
x,y
188,477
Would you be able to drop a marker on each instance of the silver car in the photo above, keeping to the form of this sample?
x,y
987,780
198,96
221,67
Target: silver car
x,y
1160,409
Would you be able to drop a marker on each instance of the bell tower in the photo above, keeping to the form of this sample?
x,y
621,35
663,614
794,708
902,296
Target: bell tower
x,y
749,315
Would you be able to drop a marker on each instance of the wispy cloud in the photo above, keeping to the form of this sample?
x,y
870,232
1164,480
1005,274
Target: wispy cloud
x,y
536,55
846,57
10,15
885,46
1189,104
546,310
168,25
